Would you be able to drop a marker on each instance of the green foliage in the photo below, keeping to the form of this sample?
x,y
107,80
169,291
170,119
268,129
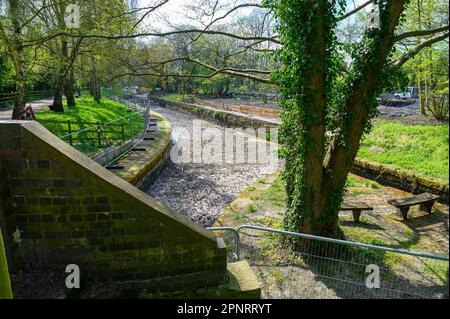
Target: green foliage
x,y
298,32
420,148
6,74
5,285
251,208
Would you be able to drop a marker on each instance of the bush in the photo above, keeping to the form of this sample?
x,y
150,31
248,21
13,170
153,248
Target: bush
x,y
439,106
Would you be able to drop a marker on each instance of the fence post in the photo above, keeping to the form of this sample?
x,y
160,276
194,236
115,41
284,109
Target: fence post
x,y
69,125
99,136
5,284
123,133
131,129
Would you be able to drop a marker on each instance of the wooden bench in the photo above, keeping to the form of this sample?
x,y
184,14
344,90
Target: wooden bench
x,y
425,200
356,208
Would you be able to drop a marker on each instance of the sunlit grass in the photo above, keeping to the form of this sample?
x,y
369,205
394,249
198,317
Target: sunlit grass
x,y
420,148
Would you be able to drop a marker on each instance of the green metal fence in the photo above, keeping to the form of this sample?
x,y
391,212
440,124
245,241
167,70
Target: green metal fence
x,y
347,269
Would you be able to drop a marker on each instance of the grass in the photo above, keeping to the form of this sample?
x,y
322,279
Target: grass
x,y
88,111
357,187
251,208
420,148
278,276
176,97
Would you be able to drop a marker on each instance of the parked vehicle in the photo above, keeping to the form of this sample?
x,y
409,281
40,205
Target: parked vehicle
x,y
402,95
410,93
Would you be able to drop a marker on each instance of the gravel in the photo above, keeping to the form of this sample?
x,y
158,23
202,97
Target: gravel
x,y
197,190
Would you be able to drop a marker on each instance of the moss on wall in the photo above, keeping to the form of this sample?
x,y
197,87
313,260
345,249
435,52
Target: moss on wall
x,y
5,285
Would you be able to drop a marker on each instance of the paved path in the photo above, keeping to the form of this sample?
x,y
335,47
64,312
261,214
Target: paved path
x,y
5,114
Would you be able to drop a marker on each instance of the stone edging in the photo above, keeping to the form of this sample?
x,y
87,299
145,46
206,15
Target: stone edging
x,y
242,108
143,171
402,179
384,174
226,118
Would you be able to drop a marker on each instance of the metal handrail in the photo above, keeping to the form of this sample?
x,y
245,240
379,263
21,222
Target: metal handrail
x,y
237,230
101,124
146,111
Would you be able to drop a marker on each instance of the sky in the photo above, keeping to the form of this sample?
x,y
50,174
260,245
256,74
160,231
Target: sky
x,y
174,12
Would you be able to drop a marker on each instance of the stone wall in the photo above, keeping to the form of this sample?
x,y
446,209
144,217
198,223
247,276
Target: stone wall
x,y
243,108
400,178
221,117
59,207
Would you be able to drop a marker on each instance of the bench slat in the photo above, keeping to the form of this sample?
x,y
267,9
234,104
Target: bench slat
x,y
355,205
413,200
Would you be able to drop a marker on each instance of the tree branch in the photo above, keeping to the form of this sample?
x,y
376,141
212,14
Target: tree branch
x,y
420,33
410,54
154,34
348,14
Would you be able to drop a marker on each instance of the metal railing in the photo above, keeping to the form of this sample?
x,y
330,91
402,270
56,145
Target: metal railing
x,y
340,267
105,142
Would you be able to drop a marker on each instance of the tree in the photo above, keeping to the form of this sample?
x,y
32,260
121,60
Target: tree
x,y
13,42
430,18
316,167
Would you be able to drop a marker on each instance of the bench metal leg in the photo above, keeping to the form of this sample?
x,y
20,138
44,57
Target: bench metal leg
x,y
356,214
426,207
404,212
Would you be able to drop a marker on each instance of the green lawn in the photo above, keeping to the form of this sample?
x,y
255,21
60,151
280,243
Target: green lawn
x,y
420,148
176,97
84,115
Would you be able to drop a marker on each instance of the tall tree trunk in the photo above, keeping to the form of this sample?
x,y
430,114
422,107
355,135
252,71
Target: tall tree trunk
x,y
18,58
422,102
68,90
95,91
359,106
304,178
315,178
58,98
94,86
20,101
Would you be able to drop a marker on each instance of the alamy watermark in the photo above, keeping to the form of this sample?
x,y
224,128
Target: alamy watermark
x,y
72,16
211,145
73,279
373,279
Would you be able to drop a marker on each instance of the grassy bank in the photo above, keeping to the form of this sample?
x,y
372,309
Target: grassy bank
x,y
85,115
176,97
420,148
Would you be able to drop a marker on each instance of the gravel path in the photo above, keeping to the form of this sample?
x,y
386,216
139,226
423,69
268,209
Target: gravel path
x,y
201,191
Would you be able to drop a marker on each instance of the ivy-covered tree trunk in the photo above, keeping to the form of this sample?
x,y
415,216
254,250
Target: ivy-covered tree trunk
x,y
317,167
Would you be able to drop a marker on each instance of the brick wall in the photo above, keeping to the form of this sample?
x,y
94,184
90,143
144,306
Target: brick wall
x,y
59,207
